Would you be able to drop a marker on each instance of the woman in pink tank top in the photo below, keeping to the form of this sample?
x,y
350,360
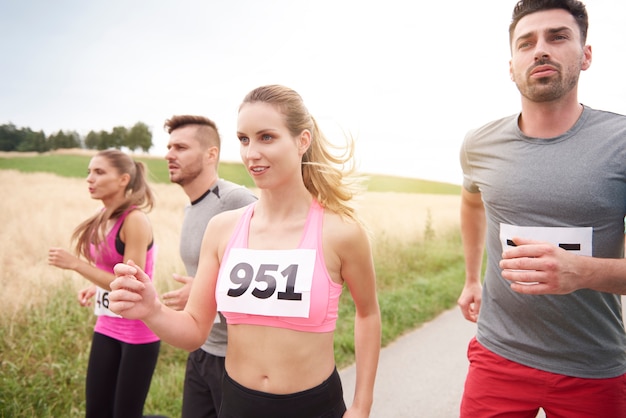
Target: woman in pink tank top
x,y
275,269
124,352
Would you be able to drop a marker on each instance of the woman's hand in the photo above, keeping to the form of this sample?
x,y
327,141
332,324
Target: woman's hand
x,y
133,295
85,295
58,257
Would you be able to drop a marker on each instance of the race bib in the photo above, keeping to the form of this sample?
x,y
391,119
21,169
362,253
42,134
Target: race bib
x,y
267,282
575,240
101,307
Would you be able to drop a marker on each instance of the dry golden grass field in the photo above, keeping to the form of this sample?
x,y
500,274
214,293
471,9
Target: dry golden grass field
x,y
39,211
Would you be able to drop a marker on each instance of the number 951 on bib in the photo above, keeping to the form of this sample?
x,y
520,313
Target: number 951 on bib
x,y
267,282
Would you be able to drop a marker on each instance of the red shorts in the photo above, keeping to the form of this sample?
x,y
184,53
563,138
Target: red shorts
x,y
497,387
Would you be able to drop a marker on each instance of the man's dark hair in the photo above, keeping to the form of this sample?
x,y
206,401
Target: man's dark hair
x,y
574,7
206,132
178,121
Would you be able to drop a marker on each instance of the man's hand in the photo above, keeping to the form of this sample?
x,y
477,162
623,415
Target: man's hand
x,y
536,267
470,300
177,299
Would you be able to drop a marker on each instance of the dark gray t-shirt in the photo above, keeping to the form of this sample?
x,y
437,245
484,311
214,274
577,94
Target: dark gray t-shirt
x,y
570,190
224,195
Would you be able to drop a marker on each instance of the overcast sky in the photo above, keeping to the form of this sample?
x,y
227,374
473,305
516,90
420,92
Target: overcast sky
x,y
407,79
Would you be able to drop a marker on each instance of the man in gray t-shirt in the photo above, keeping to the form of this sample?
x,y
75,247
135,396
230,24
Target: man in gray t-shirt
x,y
193,158
545,192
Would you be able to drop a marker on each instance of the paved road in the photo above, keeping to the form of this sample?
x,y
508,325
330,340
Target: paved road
x,y
421,374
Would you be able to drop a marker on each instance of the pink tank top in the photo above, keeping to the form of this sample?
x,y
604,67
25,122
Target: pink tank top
x,y
278,288
126,330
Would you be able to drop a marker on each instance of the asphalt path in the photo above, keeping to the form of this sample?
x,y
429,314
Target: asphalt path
x,y
422,373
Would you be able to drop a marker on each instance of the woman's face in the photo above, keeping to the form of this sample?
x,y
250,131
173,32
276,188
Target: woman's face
x,y
268,150
104,181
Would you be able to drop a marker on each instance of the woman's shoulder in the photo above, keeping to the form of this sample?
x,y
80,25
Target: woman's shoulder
x,y
226,219
134,214
136,218
221,227
342,228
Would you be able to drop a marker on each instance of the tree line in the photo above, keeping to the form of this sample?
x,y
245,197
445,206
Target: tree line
x,y
13,138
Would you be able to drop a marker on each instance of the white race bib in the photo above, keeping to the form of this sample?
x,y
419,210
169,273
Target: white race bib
x,y
267,282
101,307
575,240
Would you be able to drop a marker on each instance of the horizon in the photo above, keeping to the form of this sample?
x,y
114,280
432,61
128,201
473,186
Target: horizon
x,y
407,82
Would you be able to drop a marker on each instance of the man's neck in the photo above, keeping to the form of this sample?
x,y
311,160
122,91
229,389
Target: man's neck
x,y
549,119
200,185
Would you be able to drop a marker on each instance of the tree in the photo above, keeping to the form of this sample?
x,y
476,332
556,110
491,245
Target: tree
x,y
74,140
33,141
92,140
61,139
22,139
106,141
10,137
118,137
139,136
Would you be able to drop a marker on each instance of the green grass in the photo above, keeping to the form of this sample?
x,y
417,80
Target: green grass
x,y
384,183
76,166
44,362
44,358
415,282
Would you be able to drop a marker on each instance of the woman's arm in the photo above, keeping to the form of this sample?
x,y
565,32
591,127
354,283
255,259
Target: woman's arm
x,y
134,297
61,258
357,269
136,233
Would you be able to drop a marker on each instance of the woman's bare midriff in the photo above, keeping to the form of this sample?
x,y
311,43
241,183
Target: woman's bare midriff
x,y
277,360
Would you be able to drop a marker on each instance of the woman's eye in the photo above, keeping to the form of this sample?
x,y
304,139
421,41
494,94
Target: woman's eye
x,y
244,140
266,137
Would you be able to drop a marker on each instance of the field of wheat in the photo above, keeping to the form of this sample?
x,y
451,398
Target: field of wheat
x,y
39,211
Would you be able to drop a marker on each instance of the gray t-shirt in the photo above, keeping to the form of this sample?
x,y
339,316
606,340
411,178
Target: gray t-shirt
x,y
571,188
223,196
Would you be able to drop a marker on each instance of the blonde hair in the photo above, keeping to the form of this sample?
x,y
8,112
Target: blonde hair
x,y
138,193
330,178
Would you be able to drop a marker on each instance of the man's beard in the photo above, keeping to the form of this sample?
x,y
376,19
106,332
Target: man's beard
x,y
547,89
185,177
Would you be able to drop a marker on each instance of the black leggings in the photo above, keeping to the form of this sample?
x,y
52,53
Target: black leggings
x,y
118,377
322,401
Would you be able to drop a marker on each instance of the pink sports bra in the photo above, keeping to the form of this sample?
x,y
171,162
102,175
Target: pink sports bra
x,y
278,288
131,331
